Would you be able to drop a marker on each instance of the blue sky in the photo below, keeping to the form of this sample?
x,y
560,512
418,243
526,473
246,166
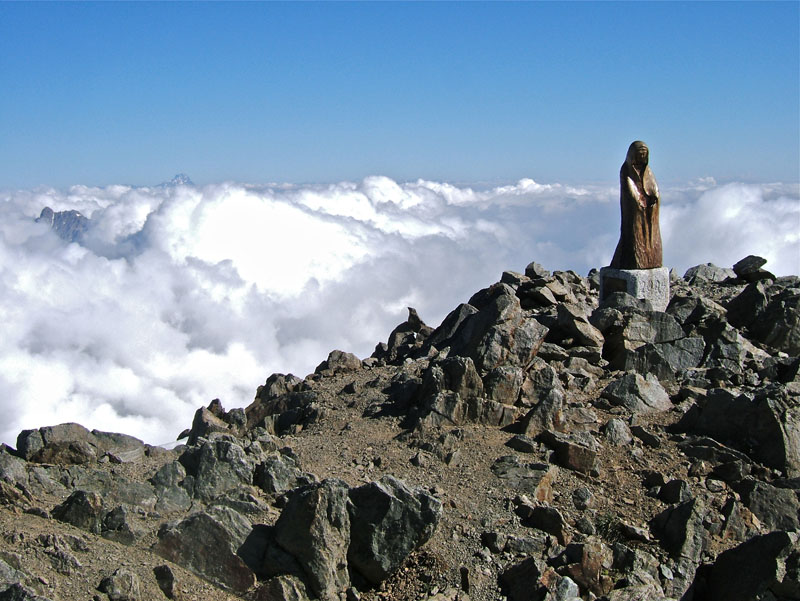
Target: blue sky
x,y
464,92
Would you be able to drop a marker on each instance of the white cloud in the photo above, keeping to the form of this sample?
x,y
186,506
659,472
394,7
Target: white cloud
x,y
182,294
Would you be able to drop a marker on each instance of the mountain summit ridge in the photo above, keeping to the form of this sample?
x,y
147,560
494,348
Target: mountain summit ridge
x,y
535,446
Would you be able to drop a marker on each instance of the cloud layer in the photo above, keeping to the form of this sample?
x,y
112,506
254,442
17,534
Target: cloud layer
x,y
181,294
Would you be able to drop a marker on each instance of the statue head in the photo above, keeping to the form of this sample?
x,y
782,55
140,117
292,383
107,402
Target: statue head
x,y
638,154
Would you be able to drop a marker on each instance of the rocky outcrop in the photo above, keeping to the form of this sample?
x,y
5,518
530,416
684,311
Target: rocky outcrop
x,y
537,445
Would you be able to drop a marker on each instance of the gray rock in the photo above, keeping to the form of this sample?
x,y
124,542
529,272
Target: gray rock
x,y
547,415
314,527
281,472
18,592
13,469
522,443
119,526
617,432
122,585
202,544
768,421
500,333
582,498
82,509
282,588
389,521
708,273
748,265
665,360
536,271
638,394
745,308
776,508
765,567
574,322
778,326
680,529
217,466
339,362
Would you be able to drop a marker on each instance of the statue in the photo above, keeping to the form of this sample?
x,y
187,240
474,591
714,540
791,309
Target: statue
x,y
639,244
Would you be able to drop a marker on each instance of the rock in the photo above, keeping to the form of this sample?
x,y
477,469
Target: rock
x,y
675,491
522,443
498,334
390,520
638,394
588,565
778,326
708,273
776,508
204,423
18,592
503,384
282,588
665,361
122,585
339,362
544,518
168,484
281,472
617,432
216,467
769,422
202,544
582,498
680,529
165,578
520,582
73,444
577,451
573,321
118,526
82,509
535,479
314,528
749,269
536,271
765,567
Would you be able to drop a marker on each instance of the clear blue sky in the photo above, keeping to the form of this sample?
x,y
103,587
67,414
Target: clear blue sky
x,y
306,92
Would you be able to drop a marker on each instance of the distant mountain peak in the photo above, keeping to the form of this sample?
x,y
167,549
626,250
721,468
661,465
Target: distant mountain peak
x,y
69,225
181,179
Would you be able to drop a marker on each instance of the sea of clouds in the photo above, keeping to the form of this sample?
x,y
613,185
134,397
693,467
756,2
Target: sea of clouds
x,y
180,294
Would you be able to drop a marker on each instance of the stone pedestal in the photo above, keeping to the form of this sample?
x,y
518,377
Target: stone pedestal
x,y
649,284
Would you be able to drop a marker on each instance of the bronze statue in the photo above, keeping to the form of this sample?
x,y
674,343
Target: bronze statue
x,y
639,244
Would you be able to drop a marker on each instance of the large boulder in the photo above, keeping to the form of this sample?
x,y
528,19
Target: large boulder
x,y
206,545
73,444
765,425
314,528
216,467
764,567
389,520
638,394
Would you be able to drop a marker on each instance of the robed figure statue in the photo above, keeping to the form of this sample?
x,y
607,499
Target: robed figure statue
x,y
639,244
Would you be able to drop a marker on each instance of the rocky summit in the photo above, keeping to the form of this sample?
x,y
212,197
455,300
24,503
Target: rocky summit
x,y
535,446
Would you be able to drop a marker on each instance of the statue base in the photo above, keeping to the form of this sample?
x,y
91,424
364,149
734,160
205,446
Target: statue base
x,y
648,284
